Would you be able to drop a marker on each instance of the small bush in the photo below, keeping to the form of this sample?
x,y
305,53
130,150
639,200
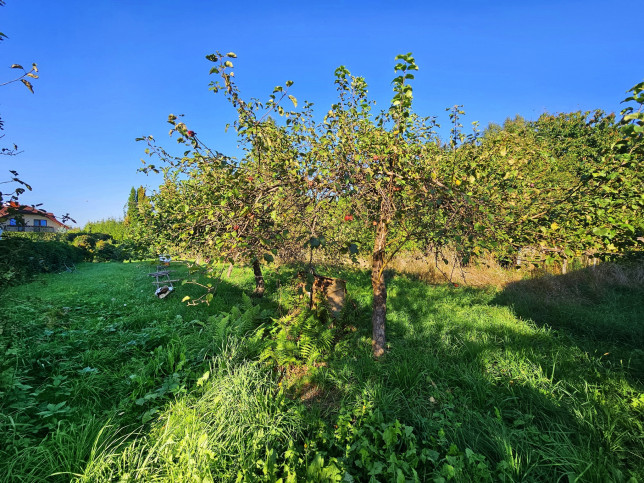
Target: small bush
x,y
101,247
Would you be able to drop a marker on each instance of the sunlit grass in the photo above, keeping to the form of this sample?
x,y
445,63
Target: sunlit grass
x,y
155,390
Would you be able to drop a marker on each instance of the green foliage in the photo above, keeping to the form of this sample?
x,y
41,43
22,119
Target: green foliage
x,y
305,338
475,386
102,247
23,257
366,447
98,247
239,321
567,185
133,233
111,226
130,358
221,435
137,208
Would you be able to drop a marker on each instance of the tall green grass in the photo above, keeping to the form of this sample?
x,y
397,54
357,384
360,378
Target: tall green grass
x,y
525,384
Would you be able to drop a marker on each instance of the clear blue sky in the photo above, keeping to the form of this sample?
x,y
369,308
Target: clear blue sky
x,y
111,71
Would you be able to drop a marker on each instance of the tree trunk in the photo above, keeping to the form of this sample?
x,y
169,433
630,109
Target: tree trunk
x,y
259,279
379,314
230,270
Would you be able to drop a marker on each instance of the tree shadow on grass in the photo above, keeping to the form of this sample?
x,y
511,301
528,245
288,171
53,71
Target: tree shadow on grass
x,y
458,365
518,393
542,402
601,308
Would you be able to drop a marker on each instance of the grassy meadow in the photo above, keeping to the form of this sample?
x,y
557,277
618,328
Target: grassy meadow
x,y
542,380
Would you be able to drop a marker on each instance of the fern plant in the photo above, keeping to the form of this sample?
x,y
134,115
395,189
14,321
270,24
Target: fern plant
x,y
315,340
301,338
239,321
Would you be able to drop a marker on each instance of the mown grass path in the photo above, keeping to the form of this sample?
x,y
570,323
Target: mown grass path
x,y
101,381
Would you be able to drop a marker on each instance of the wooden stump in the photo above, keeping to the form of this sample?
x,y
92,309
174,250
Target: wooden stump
x,y
325,290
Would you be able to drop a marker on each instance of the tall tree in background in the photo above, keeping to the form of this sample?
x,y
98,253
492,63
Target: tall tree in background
x,y
130,207
138,205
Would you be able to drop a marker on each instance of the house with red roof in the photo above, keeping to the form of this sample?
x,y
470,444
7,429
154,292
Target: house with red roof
x,y
17,217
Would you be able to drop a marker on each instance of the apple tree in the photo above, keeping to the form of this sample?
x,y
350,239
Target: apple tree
x,y
393,176
235,209
552,187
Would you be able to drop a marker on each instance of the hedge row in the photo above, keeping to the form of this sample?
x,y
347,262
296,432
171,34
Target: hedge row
x,y
23,255
22,258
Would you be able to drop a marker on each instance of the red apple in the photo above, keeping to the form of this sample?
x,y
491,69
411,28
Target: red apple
x,y
191,134
348,217
236,227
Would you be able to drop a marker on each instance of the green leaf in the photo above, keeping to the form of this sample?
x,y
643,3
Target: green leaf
x,y
149,415
187,297
202,380
293,100
268,257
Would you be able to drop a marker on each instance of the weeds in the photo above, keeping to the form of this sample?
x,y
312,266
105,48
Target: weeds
x,y
101,381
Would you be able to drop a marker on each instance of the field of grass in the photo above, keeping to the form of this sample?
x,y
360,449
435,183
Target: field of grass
x,y
102,381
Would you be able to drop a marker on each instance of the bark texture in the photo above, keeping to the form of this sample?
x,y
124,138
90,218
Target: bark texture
x,y
259,279
379,314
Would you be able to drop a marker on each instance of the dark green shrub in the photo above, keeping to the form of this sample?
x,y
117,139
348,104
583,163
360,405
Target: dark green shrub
x,y
105,251
22,257
91,238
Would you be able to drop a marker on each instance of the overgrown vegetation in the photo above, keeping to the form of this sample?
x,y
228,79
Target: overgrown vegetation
x,y
101,381
355,180
541,379
110,226
22,257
